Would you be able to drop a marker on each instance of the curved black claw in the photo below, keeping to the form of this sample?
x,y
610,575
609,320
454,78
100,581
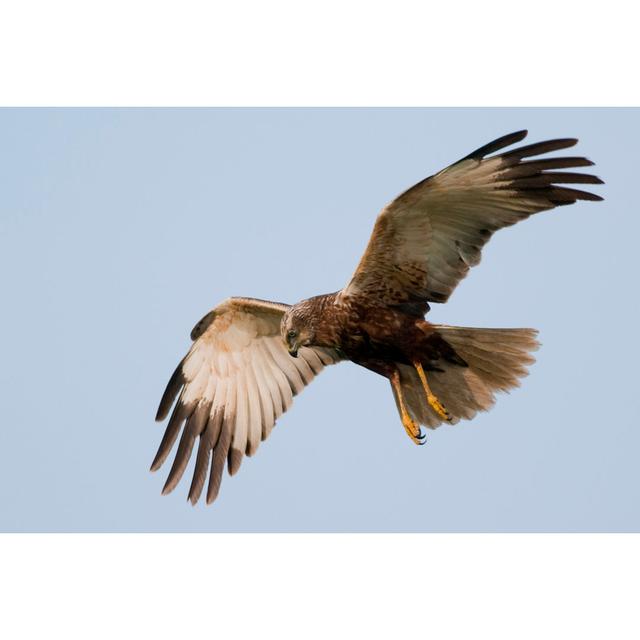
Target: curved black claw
x,y
422,438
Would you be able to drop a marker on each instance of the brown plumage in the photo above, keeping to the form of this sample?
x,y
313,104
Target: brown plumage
x,y
250,357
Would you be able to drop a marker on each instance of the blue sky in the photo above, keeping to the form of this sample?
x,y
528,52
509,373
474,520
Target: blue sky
x,y
119,229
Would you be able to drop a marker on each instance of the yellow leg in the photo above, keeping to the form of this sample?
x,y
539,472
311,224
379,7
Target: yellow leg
x,y
411,427
435,404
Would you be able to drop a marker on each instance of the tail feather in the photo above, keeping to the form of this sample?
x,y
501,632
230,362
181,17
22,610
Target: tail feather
x,y
496,359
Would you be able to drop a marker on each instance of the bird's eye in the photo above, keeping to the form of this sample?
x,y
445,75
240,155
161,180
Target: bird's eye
x,y
292,334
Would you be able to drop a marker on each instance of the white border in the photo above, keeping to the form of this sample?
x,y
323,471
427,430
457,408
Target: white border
x,y
320,586
338,52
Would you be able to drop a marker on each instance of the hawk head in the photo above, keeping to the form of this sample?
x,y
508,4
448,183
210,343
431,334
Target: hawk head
x,y
298,326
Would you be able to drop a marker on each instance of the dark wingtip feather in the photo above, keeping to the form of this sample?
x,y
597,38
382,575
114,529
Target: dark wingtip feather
x,y
497,144
212,493
538,148
532,167
171,391
562,177
235,460
563,195
582,195
587,178
193,428
541,180
590,196
159,458
202,466
218,459
180,413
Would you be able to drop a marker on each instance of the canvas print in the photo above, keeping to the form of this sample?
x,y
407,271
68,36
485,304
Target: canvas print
x,y
457,278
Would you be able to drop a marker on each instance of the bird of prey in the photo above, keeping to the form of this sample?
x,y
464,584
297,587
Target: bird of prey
x,y
250,357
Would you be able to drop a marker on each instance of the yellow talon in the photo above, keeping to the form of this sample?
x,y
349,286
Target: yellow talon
x,y
438,407
433,401
412,428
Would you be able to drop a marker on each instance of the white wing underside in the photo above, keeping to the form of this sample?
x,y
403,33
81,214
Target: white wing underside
x,y
232,386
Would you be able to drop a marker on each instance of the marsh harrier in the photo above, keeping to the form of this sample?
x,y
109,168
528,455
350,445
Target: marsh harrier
x,y
250,357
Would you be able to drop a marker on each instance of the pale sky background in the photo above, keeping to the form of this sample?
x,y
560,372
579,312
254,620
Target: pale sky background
x,y
119,229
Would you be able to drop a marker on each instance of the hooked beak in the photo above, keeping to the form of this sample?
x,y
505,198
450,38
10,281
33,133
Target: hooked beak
x,y
293,351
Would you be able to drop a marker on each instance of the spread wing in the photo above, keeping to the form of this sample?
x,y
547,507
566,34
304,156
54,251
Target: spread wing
x,y
234,383
425,241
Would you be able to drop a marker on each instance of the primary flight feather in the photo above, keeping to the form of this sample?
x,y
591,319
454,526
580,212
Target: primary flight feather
x,y
250,357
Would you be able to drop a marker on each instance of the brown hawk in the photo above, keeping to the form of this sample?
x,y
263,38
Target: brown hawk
x,y
250,357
